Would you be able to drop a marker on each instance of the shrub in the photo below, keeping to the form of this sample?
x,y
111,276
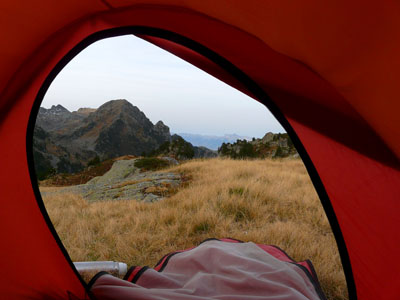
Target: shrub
x,y
247,150
278,153
151,163
94,161
223,150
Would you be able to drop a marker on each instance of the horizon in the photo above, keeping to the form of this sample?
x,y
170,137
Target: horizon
x,y
162,86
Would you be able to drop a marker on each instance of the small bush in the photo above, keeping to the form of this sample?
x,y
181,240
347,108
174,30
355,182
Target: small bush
x,y
246,151
94,161
151,163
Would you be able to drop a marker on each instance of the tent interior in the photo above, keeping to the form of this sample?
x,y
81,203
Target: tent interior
x,y
328,72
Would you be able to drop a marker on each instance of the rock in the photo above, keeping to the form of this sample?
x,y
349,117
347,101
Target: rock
x,y
125,181
268,137
120,170
283,143
151,198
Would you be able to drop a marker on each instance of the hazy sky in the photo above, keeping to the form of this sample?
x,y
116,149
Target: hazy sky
x,y
161,85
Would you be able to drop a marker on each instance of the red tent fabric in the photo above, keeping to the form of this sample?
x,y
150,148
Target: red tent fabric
x,y
328,70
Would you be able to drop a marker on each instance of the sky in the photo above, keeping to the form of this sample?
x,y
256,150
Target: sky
x,y
161,85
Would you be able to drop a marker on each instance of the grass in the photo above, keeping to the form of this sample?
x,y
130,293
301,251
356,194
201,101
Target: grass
x,y
264,201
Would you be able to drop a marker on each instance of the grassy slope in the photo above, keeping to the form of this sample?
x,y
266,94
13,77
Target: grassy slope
x,y
264,201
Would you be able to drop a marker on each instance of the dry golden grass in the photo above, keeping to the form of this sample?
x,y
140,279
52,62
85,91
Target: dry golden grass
x,y
264,201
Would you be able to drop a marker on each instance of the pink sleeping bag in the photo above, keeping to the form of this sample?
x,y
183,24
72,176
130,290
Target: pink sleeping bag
x,y
216,269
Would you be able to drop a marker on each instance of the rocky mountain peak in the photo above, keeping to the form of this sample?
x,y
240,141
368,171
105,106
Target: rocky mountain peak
x,y
116,105
121,108
268,137
58,109
54,110
55,118
160,124
162,130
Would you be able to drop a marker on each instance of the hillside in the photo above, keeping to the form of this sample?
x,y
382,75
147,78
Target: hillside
x,y
179,148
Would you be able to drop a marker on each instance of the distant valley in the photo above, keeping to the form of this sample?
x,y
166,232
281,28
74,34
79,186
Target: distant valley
x,y
212,142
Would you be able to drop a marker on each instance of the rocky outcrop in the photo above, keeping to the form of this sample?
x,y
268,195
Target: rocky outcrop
x,y
177,148
268,137
271,145
124,181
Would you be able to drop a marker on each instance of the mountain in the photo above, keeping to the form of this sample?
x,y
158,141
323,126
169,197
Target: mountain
x,y
66,142
211,141
117,128
271,145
